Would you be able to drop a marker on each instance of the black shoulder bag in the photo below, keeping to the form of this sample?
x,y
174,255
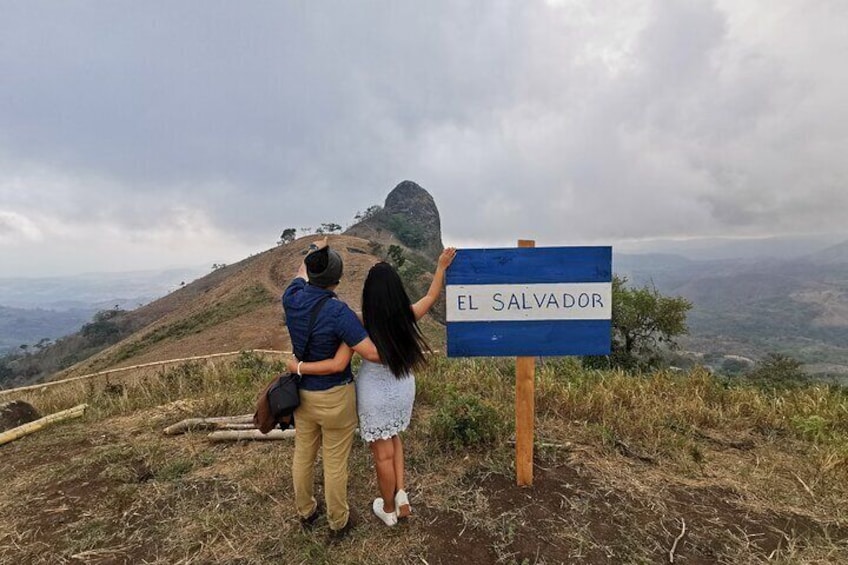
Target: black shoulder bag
x,y
283,396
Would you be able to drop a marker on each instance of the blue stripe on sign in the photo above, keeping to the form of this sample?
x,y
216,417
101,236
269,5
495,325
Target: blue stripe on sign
x,y
529,339
531,265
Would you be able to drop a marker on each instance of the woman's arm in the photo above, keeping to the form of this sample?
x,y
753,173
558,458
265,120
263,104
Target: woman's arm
x,y
423,306
327,367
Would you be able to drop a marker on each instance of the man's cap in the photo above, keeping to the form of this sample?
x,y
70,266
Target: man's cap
x,y
324,267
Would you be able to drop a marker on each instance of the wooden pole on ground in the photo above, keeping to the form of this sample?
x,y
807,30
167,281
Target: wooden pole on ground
x,y
194,424
256,435
525,410
34,426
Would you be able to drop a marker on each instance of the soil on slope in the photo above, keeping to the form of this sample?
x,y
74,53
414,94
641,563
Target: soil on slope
x,y
191,321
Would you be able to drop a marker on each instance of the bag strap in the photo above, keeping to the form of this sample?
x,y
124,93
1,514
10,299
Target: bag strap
x,y
315,310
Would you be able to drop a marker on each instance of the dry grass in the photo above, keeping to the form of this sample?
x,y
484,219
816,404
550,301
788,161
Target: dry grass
x,y
621,461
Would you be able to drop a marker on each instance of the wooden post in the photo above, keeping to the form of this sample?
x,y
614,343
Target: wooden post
x,y
525,410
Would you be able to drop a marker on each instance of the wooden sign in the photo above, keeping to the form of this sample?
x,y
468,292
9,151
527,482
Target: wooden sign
x,y
530,302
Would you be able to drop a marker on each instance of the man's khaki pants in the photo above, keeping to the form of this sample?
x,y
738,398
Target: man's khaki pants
x,y
324,418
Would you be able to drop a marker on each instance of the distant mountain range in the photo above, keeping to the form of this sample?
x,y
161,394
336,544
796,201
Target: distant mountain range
x,y
32,309
792,300
751,307
94,290
28,327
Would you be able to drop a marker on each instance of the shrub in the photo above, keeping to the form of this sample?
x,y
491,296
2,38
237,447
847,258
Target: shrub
x,y
104,329
408,233
185,378
813,428
777,371
463,420
644,322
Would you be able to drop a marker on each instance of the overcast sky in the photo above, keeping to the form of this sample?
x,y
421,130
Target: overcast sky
x,y
140,135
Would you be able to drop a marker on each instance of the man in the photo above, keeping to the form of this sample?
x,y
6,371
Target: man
x,y
326,416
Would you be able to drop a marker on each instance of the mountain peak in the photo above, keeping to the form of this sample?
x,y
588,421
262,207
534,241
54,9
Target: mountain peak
x,y
409,217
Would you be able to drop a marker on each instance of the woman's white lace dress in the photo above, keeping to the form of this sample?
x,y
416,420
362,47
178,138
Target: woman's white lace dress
x,y
383,401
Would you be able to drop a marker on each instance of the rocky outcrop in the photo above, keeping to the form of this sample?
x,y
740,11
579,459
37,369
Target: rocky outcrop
x,y
16,413
409,217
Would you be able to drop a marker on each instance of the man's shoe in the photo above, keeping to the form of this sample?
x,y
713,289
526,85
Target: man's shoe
x,y
340,534
309,522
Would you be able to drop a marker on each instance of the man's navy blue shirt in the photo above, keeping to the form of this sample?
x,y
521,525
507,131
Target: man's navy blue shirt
x,y
336,323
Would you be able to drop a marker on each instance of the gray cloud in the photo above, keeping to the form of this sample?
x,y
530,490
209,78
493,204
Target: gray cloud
x,y
565,121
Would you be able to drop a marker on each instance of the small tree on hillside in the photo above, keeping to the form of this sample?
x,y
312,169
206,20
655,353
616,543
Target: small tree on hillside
x,y
643,323
287,236
396,256
328,227
777,371
104,329
369,212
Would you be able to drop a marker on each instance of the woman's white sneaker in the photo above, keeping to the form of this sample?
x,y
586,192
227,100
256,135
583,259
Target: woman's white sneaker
x,y
402,507
388,518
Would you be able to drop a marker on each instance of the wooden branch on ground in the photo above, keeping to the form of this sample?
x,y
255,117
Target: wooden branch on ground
x,y
741,444
218,422
676,541
28,428
625,450
566,445
215,426
243,435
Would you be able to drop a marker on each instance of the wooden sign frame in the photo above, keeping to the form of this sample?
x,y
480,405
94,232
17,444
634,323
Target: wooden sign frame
x,y
565,309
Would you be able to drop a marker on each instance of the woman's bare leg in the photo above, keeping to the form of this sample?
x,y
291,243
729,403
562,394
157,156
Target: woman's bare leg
x,y
398,463
403,511
383,451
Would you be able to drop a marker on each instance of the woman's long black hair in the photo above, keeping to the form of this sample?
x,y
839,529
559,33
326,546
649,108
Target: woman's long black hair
x,y
390,322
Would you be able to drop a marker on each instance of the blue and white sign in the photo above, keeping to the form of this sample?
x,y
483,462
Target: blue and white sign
x,y
530,301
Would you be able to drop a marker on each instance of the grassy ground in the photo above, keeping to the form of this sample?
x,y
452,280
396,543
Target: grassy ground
x,y
628,469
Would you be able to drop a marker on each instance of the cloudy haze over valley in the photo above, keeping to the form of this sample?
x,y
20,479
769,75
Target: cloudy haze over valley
x,y
149,134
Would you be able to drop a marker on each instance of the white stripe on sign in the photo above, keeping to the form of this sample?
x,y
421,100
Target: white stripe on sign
x,y
528,302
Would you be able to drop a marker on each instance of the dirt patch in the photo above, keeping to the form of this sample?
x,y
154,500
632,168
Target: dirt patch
x,y
452,540
17,413
713,512
564,517
569,516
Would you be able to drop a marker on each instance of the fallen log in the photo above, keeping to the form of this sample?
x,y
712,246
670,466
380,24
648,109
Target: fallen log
x,y
192,424
248,435
26,429
212,426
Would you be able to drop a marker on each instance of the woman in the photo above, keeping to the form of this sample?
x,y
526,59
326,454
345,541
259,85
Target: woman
x,y
385,392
